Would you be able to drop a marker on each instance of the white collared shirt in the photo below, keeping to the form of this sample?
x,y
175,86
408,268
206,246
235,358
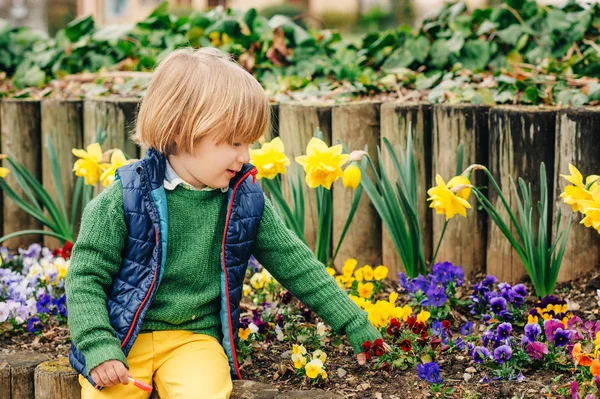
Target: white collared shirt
x,y
172,180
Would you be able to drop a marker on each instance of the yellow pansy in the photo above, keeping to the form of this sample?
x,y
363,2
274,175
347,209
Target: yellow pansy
x,y
365,290
531,319
298,350
368,274
319,354
313,368
393,297
348,267
330,271
403,313
117,159
244,333
380,272
88,166
445,201
360,302
324,374
423,316
323,164
257,281
270,160
358,275
352,176
298,360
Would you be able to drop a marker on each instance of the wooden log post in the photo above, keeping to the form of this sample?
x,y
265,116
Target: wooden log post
x,y
62,123
356,125
297,126
56,379
464,241
20,136
396,119
576,144
16,374
520,139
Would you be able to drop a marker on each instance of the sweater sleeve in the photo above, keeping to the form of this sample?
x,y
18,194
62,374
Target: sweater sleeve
x,y
294,265
95,260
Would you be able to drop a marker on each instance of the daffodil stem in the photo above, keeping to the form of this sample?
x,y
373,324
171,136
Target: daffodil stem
x,y
439,244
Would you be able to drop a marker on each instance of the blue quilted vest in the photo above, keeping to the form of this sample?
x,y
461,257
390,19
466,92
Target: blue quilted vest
x,y
144,255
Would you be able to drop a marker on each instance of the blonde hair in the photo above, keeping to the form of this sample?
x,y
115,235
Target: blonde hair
x,y
196,92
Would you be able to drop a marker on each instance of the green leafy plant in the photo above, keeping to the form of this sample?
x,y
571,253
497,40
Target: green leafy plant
x,y
540,255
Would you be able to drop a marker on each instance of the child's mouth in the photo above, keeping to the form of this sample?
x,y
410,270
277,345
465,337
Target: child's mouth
x,y
231,172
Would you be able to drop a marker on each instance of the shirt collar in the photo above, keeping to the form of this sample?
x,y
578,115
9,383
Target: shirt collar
x,y
172,180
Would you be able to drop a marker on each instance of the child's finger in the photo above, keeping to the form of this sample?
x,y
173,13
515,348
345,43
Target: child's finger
x,y
122,373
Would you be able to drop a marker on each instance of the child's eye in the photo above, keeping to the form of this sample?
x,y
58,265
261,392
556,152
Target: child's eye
x,y
237,144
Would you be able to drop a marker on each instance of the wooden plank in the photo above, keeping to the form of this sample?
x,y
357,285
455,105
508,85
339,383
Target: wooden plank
x,y
297,125
520,139
577,144
396,118
464,241
356,125
20,136
62,122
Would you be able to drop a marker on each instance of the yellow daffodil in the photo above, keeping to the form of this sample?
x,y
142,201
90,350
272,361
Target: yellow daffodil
x,y
323,164
423,316
358,275
3,171
348,267
368,273
117,159
330,271
314,368
88,164
592,210
319,354
352,176
444,199
365,290
575,194
270,160
380,272
244,333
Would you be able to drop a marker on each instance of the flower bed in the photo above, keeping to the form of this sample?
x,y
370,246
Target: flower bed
x,y
443,334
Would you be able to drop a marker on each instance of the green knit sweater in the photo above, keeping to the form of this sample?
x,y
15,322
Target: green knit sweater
x,y
188,297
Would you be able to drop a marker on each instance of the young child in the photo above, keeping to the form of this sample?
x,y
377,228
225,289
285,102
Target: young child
x,y
155,281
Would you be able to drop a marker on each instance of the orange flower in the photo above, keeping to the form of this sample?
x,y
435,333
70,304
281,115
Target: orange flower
x,y
581,357
595,368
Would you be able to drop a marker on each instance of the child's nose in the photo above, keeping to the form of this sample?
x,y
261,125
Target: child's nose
x,y
244,157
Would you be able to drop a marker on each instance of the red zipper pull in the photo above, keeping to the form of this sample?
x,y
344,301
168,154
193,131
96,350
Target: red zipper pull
x,y
253,172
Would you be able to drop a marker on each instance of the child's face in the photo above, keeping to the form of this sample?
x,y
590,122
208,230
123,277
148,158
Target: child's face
x,y
210,164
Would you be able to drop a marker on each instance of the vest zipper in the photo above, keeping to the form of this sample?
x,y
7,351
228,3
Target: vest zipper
x,y
252,172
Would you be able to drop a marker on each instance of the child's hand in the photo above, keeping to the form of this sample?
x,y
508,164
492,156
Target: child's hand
x,y
109,373
361,358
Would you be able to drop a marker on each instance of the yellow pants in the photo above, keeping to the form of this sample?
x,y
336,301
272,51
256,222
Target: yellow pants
x,y
181,364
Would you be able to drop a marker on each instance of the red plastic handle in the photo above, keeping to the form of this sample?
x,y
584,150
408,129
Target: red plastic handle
x,y
141,385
